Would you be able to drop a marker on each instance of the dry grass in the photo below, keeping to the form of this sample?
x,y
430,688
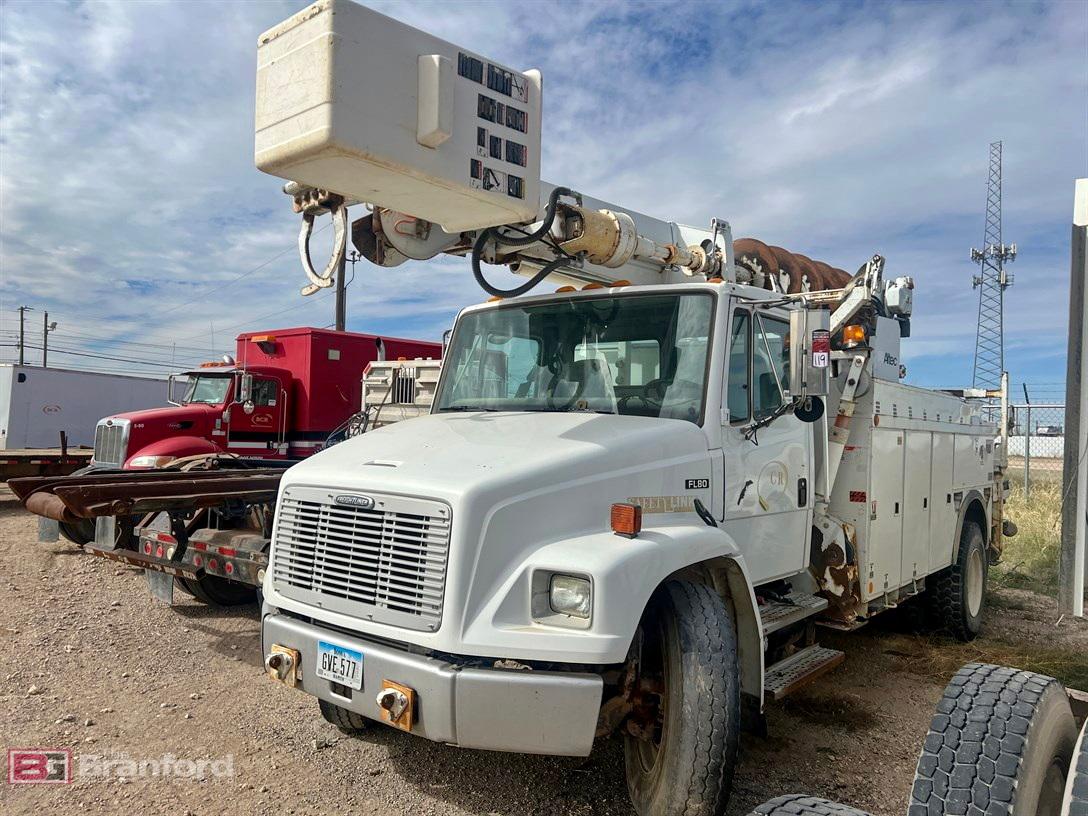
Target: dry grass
x,y
1030,560
939,658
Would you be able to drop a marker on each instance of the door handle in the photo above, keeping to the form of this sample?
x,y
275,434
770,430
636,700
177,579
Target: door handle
x,y
802,492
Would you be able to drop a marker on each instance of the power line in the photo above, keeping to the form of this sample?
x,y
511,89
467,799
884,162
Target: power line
x,y
233,281
103,356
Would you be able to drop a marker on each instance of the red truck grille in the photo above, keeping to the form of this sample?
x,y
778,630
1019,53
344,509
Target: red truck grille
x,y
385,563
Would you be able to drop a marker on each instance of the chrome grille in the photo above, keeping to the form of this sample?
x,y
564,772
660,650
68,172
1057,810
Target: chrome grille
x,y
386,563
111,442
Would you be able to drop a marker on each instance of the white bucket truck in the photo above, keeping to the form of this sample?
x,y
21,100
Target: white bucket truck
x,y
634,496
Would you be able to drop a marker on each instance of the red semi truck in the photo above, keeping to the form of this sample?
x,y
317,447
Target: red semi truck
x,y
278,398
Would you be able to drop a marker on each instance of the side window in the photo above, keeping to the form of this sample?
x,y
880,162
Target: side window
x,y
265,392
737,395
770,365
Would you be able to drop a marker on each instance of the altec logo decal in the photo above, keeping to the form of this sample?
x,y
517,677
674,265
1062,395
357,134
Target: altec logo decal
x,y
362,502
37,766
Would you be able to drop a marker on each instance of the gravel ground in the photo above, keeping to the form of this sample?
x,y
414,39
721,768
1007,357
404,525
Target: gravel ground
x,y
93,664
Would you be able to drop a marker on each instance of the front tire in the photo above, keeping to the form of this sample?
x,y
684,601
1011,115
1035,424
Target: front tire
x,y
957,594
680,750
802,805
346,720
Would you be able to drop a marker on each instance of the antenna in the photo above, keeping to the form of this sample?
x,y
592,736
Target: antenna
x,y
991,282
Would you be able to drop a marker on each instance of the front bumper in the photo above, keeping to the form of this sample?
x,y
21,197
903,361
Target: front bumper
x,y
532,712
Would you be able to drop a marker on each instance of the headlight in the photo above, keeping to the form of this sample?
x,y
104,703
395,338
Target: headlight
x,y
571,596
150,461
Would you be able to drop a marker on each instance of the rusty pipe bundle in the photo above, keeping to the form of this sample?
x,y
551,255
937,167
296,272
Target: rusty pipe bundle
x,y
772,267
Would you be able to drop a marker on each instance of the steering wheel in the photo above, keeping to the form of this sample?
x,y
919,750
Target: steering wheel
x,y
551,400
621,403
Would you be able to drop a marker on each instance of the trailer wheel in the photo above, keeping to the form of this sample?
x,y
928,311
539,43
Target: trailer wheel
x,y
799,804
82,531
680,743
346,720
1076,787
957,594
1000,743
216,591
79,533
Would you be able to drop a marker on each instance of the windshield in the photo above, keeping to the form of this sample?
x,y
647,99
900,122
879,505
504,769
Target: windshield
x,y
630,354
206,389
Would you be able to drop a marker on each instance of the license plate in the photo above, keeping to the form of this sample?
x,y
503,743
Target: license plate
x,y
340,664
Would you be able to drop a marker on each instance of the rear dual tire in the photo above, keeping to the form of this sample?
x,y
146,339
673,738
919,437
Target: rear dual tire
x,y
957,594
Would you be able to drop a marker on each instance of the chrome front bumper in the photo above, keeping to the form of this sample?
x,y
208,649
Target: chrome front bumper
x,y
532,712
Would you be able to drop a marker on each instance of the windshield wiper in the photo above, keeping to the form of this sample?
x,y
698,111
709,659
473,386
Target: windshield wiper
x,y
467,408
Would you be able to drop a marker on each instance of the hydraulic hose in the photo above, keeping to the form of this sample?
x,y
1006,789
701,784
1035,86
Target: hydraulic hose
x,y
531,238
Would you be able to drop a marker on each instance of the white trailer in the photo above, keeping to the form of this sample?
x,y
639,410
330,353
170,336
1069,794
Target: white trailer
x,y
634,497
37,404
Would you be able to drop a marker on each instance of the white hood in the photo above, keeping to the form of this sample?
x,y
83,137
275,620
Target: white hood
x,y
448,456
516,482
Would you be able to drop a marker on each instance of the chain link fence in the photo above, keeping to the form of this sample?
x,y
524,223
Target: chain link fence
x,y
1036,442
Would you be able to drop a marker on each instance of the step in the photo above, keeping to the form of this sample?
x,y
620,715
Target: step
x,y
796,607
799,669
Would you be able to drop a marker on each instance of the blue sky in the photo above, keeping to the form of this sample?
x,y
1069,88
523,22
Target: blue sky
x,y
131,210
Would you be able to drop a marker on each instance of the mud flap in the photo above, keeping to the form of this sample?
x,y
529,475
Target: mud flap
x,y
48,530
161,585
105,532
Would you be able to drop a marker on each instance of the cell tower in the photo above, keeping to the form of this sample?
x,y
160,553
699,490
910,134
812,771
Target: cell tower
x,y
992,281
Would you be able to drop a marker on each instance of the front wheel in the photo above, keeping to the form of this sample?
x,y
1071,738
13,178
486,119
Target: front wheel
x,y
680,744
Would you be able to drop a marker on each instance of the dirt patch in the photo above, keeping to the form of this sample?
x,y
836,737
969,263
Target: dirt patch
x,y
114,672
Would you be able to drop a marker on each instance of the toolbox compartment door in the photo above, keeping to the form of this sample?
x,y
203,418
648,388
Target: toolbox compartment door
x,y
916,505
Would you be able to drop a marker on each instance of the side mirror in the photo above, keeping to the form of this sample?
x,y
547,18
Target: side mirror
x,y
245,388
248,407
810,353
171,381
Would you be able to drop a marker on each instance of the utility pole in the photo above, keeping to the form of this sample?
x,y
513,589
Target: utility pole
x,y
46,328
1072,561
341,292
992,281
22,333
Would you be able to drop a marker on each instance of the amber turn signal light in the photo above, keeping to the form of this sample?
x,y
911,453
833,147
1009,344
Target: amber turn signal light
x,y
853,335
626,519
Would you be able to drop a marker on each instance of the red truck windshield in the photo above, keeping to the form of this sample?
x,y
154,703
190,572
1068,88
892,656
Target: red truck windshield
x,y
206,389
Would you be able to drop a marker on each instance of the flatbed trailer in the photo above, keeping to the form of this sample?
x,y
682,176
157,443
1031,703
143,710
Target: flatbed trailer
x,y
42,462
204,524
204,530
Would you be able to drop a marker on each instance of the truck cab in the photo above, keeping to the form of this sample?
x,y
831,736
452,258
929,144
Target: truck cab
x,y
279,397
220,408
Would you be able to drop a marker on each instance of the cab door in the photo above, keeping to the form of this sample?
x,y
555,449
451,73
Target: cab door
x,y
768,485
257,423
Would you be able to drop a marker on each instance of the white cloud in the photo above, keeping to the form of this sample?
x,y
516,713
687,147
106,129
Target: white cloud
x,y
835,130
